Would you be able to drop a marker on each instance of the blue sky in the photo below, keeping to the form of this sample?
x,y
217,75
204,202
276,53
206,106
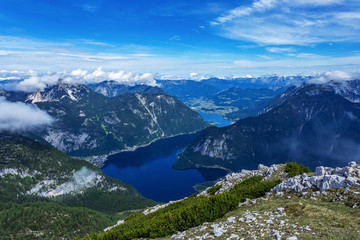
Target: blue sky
x,y
178,38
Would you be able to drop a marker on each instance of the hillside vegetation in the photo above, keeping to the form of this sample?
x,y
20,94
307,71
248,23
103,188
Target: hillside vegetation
x,y
46,194
187,213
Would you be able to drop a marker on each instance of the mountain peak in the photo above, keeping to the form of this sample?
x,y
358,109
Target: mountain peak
x,y
58,92
111,88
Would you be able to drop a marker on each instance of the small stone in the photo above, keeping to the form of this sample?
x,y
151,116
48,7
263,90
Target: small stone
x,y
231,220
305,228
281,209
320,171
280,194
292,238
261,166
348,171
233,236
352,164
218,231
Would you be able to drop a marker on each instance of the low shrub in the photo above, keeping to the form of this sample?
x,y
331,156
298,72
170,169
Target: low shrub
x,y
213,189
293,169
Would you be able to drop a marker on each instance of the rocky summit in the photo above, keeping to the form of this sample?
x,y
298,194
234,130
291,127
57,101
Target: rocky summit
x,y
325,178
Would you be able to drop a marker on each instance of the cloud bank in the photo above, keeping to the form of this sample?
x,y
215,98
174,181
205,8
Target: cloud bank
x,y
127,78
17,116
336,76
33,81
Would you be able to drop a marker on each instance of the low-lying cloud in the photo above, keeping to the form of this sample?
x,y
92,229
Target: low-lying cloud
x,y
33,81
336,76
18,116
127,78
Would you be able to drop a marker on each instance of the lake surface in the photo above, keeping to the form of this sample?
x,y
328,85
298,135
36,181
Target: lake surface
x,y
149,169
217,118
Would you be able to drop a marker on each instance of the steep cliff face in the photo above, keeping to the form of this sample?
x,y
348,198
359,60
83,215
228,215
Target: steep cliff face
x,y
89,123
311,124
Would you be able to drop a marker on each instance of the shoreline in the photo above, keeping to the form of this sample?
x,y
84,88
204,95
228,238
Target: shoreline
x,y
99,160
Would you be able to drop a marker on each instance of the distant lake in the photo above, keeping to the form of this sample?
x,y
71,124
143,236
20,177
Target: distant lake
x,y
217,118
149,169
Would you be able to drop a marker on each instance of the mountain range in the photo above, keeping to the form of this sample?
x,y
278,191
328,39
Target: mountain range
x,y
90,124
113,88
311,124
233,99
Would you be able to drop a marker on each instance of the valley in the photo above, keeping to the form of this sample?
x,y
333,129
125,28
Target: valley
x,y
233,99
172,168
149,170
159,181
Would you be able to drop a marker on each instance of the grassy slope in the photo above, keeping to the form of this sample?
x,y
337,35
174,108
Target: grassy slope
x,y
325,219
187,213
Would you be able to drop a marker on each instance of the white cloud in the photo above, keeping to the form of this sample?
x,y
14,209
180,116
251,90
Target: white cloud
x,y
33,81
306,55
17,116
192,75
337,76
285,22
264,56
89,8
300,65
175,38
79,72
257,6
30,55
280,49
96,43
128,78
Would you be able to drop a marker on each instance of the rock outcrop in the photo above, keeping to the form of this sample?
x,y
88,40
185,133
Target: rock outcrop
x,y
325,178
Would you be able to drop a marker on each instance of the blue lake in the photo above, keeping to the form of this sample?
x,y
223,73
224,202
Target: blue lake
x,y
149,169
217,118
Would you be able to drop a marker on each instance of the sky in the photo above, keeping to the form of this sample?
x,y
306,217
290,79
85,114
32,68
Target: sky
x,y
181,38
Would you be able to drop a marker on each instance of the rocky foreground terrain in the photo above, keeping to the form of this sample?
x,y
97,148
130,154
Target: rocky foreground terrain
x,y
320,205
